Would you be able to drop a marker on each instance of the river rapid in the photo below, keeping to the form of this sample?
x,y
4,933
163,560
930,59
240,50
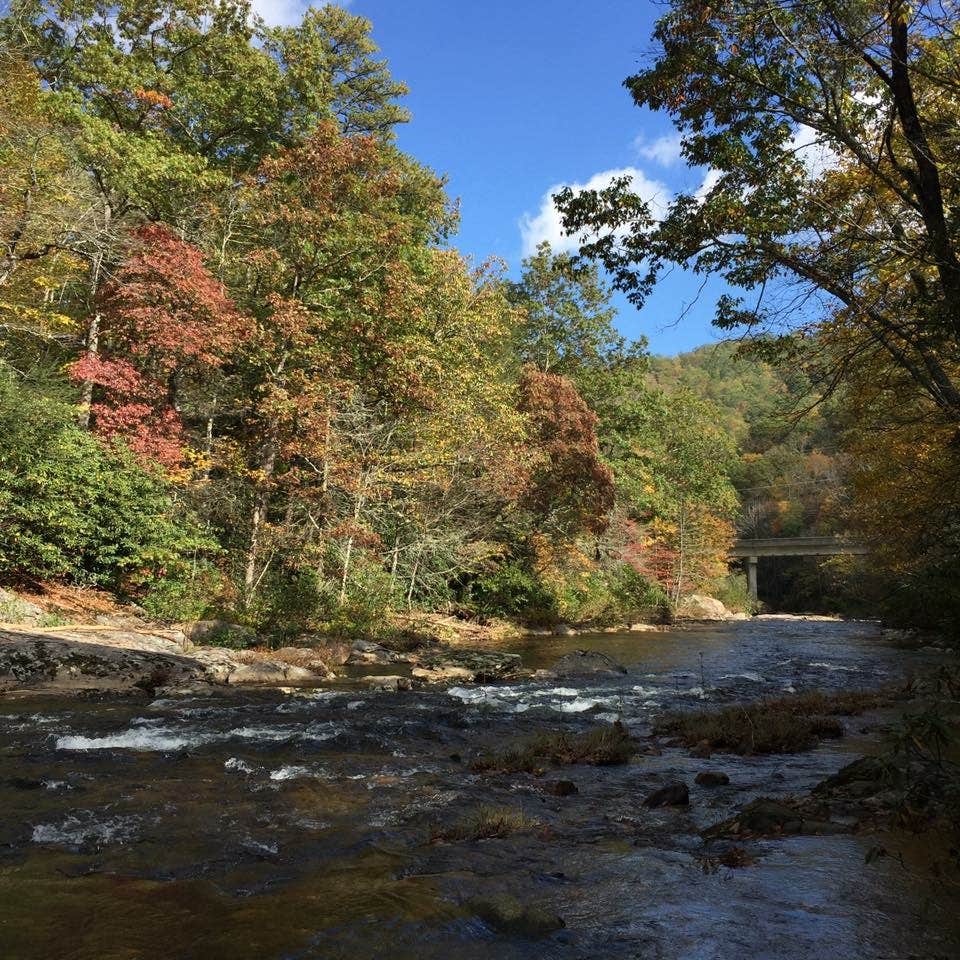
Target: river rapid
x,y
298,824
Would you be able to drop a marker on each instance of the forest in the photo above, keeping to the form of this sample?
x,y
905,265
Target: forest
x,y
246,373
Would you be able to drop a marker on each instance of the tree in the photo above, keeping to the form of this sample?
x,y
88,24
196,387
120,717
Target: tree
x,y
570,489
569,318
165,324
43,202
830,133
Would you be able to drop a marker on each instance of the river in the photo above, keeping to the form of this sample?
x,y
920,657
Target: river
x,y
297,824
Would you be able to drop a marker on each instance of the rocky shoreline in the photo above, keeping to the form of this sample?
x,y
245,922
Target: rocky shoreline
x,y
119,651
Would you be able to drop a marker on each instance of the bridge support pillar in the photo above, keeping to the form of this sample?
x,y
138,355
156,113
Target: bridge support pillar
x,y
752,577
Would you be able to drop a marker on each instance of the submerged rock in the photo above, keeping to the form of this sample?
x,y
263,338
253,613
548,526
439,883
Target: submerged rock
x,y
507,914
581,662
675,794
766,817
710,778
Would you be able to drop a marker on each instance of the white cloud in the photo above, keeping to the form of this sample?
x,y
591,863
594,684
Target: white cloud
x,y
284,13
817,156
710,179
546,223
664,150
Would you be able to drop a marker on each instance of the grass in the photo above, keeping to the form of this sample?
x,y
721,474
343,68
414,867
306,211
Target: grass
x,y
784,725
601,746
486,823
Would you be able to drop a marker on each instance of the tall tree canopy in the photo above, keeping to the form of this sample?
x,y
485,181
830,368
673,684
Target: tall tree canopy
x,y
829,133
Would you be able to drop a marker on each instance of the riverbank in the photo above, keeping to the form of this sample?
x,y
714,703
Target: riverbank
x,y
68,640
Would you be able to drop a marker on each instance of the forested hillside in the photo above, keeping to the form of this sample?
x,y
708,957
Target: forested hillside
x,y
793,472
244,371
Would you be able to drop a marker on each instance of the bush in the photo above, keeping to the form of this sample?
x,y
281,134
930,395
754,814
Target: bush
x,y
74,508
513,591
185,591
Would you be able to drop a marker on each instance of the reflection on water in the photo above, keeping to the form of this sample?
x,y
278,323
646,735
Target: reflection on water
x,y
297,824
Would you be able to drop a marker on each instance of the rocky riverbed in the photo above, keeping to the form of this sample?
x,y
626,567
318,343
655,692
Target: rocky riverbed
x,y
348,820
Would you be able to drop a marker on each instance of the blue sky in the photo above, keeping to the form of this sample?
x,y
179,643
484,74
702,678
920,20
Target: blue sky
x,y
511,98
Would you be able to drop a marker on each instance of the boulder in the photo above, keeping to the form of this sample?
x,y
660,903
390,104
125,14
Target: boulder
x,y
700,607
303,659
583,662
543,675
711,778
766,817
220,633
481,666
14,609
365,651
444,674
675,794
507,914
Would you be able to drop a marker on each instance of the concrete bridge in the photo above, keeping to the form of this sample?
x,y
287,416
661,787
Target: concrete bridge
x,y
752,550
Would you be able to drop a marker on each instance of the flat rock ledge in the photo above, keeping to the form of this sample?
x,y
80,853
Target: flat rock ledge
x,y
77,658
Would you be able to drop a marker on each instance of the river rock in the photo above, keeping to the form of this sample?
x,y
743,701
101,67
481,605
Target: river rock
x,y
388,684
711,778
643,628
700,607
14,609
675,794
766,817
862,778
220,633
443,674
472,666
108,660
365,651
582,662
507,914
564,630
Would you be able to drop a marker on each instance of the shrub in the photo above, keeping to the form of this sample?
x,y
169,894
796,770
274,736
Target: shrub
x,y
74,508
734,593
185,591
513,591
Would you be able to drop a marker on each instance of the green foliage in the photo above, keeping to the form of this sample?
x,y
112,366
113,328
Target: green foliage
x,y
511,590
187,590
74,508
734,593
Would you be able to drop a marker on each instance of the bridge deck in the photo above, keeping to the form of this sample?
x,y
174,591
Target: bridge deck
x,y
796,547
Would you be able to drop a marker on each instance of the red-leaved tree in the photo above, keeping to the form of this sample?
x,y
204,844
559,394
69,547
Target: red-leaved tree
x,y
570,489
166,323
